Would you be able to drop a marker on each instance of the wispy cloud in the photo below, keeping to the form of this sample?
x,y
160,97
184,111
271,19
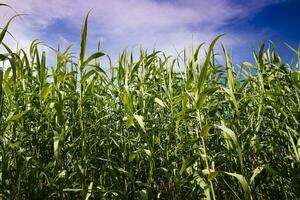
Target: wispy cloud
x,y
163,24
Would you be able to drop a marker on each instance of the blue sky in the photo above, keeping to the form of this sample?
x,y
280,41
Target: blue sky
x,y
280,24
168,25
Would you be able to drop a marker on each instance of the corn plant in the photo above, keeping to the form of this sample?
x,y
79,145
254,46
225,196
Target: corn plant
x,y
141,129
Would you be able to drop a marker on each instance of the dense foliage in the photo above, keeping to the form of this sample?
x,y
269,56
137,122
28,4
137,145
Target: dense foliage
x,y
154,127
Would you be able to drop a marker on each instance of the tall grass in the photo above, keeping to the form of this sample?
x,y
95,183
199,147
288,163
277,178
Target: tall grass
x,y
143,130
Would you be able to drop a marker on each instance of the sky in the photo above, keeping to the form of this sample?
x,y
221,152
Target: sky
x,y
167,25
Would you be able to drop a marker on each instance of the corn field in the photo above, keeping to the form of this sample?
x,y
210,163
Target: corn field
x,y
156,127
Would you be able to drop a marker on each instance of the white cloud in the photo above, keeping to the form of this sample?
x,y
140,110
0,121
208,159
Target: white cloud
x,y
121,23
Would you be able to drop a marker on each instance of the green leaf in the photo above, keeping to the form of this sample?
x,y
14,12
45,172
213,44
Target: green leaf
x,y
296,80
132,156
204,70
205,130
89,59
18,116
89,193
243,182
232,98
148,152
234,138
257,171
212,175
202,97
230,133
56,146
187,163
248,65
140,120
62,174
160,102
45,92
86,76
230,74
4,30
83,38
294,50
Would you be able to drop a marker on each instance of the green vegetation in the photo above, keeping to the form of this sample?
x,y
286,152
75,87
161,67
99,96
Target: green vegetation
x,y
143,130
